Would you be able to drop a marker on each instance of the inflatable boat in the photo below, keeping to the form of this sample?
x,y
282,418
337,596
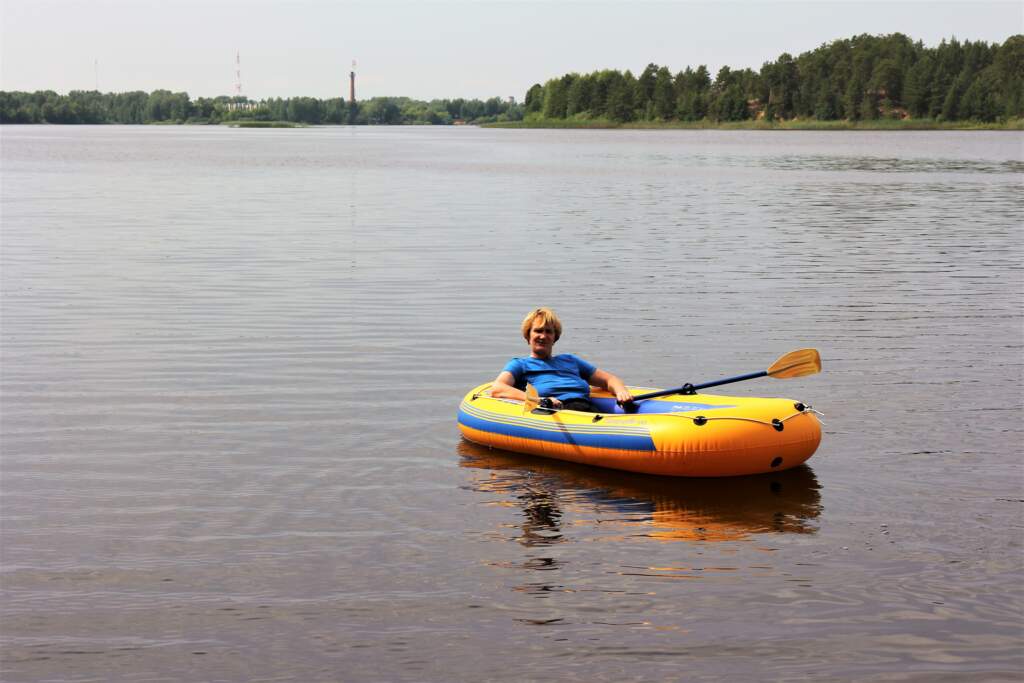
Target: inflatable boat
x,y
674,434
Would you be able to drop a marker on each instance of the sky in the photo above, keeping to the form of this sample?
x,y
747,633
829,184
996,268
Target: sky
x,y
433,49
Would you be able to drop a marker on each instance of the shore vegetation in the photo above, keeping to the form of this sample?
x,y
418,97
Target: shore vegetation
x,y
856,81
265,124
886,82
163,106
864,81
537,121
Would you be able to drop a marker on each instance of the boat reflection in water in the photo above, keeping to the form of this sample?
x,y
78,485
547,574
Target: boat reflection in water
x,y
664,508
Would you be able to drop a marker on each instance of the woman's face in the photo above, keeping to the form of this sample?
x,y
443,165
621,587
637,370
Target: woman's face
x,y
542,339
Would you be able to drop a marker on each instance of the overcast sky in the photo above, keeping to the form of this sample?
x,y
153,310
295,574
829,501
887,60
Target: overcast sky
x,y
432,49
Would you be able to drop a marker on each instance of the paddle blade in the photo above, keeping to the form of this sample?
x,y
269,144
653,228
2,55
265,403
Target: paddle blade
x,y
532,399
796,364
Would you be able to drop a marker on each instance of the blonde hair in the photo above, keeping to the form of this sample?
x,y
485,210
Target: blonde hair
x,y
547,317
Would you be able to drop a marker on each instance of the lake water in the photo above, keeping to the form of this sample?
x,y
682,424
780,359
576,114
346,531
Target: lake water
x,y
231,361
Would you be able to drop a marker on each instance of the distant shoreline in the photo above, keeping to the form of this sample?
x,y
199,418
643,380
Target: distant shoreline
x,y
796,124
587,124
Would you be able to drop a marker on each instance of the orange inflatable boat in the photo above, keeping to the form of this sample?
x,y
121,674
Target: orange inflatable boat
x,y
682,435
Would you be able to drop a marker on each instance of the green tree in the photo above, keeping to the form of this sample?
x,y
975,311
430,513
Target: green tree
x,y
556,96
381,110
951,105
621,101
948,65
734,104
303,110
692,106
599,99
158,106
455,107
493,106
334,111
473,109
579,96
664,95
534,101
644,96
980,101
826,106
1009,68
854,98
887,80
780,85
917,94
701,79
869,106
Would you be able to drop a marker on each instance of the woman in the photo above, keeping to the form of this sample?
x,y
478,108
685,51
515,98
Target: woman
x,y
565,379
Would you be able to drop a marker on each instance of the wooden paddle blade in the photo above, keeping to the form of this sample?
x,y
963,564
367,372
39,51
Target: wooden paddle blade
x,y
532,399
796,364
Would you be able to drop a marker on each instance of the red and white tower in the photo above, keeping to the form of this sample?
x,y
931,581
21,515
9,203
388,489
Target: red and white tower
x,y
238,73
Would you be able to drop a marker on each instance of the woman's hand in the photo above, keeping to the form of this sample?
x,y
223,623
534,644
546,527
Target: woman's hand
x,y
622,395
606,380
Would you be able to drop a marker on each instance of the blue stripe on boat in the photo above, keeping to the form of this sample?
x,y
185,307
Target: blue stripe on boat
x,y
559,433
608,405
614,427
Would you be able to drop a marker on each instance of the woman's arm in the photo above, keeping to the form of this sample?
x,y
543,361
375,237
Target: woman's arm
x,y
608,381
503,386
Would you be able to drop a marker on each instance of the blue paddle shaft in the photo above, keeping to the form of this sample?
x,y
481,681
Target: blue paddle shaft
x,y
686,387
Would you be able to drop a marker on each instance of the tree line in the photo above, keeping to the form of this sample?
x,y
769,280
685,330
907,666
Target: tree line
x,y
861,78
164,106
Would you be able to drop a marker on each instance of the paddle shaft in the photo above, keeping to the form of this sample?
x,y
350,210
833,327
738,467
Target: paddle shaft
x,y
692,388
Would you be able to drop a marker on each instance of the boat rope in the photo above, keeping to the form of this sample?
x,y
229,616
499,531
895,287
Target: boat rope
x,y
700,420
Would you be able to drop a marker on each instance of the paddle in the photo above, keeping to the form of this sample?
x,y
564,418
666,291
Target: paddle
x,y
532,399
794,364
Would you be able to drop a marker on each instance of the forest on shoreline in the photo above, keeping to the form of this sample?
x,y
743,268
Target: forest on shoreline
x,y
861,79
164,106
864,81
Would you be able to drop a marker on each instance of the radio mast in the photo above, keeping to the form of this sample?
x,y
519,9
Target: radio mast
x,y
238,73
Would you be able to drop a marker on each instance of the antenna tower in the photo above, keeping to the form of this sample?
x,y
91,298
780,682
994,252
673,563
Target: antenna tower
x,y
238,73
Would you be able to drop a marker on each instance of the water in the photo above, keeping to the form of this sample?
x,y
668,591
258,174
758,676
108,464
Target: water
x,y
231,361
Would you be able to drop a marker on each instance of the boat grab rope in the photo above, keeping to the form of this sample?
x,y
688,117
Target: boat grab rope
x,y
776,423
700,420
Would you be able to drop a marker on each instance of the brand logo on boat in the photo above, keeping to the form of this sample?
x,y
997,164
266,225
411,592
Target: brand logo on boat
x,y
686,407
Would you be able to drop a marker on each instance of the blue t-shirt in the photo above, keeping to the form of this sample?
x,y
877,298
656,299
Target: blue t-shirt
x,y
563,376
